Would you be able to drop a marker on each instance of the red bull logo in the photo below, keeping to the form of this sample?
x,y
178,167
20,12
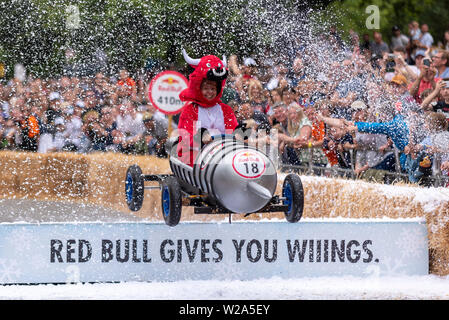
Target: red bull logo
x,y
170,80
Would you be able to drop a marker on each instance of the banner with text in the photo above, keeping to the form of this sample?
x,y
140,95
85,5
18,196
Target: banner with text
x,y
97,252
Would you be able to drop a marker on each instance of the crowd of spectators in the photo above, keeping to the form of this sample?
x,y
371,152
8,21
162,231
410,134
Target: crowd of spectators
x,y
361,83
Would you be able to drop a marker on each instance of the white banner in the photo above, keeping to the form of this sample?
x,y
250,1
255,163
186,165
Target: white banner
x,y
96,252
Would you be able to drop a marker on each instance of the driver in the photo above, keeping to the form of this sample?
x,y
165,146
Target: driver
x,y
205,110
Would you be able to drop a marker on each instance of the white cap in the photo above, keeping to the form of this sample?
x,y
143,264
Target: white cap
x,y
249,62
59,120
80,104
54,96
358,105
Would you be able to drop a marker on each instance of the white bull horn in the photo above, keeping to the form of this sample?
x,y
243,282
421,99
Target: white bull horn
x,y
219,74
225,62
192,62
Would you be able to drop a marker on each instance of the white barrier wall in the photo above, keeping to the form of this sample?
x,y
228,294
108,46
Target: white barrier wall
x,y
99,252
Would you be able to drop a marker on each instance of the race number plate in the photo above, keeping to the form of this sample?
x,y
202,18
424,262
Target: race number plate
x,y
248,164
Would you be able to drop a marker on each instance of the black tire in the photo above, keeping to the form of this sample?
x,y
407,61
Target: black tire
x,y
134,187
171,201
292,190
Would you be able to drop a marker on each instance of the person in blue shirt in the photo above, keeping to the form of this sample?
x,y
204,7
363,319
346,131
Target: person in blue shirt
x,y
398,128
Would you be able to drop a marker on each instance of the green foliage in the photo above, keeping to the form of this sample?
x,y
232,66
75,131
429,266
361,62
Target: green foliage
x,y
37,32
351,15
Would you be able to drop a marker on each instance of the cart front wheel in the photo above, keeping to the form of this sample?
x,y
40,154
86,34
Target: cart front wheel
x,y
293,193
134,188
171,201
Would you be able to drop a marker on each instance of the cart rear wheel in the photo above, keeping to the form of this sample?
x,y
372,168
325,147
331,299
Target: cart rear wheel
x,y
293,191
134,188
171,201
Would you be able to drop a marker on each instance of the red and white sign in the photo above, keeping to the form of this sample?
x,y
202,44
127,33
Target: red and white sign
x,y
248,164
164,91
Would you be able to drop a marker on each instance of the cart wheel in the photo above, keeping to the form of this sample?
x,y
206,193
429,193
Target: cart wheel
x,y
171,201
134,188
293,191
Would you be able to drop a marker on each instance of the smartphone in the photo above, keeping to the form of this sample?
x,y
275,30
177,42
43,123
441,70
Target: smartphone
x,y
426,62
446,81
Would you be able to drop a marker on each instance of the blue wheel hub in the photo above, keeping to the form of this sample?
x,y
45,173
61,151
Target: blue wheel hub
x,y
129,188
166,201
288,195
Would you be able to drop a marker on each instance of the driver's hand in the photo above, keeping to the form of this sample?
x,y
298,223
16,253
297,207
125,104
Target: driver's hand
x,y
206,138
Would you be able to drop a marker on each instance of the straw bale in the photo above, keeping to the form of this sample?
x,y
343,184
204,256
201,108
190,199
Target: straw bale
x,y
99,179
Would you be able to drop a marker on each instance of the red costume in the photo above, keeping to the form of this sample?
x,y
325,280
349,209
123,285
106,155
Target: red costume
x,y
207,68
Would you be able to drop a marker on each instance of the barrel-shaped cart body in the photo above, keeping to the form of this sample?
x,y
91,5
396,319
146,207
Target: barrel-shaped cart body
x,y
239,176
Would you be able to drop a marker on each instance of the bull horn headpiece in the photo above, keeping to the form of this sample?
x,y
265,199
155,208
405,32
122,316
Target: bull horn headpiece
x,y
191,61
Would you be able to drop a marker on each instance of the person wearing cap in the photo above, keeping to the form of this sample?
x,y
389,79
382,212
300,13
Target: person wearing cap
x,y
373,151
73,124
243,74
419,57
397,129
398,39
54,108
53,141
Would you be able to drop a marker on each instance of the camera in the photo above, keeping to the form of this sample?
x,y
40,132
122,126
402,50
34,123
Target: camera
x,y
390,63
426,62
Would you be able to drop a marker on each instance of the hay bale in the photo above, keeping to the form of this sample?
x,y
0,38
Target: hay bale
x,y
67,175
100,179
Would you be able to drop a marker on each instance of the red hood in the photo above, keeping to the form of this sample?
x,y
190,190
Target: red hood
x,y
208,67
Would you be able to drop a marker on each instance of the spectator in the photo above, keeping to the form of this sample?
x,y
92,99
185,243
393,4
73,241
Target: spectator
x,y
411,72
420,157
30,130
425,80
441,62
289,97
155,136
398,39
414,30
256,96
129,126
365,45
442,105
55,140
446,41
425,40
397,128
73,128
373,151
91,101
378,46
279,78
127,83
419,57
315,153
275,100
242,75
298,72
340,142
296,137
279,117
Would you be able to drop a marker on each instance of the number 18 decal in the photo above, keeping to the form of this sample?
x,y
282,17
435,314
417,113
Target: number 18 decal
x,y
248,164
